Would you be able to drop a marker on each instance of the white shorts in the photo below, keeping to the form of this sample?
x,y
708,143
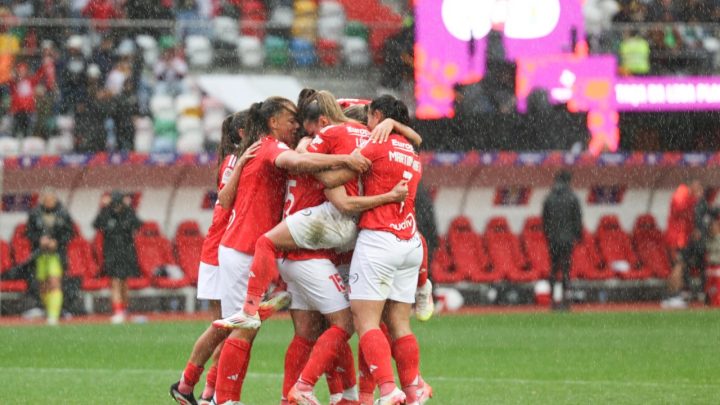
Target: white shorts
x,y
234,275
323,227
208,285
315,285
385,267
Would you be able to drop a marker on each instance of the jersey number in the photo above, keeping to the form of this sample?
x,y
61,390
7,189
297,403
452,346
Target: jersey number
x,y
289,197
338,281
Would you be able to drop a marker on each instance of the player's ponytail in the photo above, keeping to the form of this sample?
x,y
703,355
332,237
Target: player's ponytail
x,y
330,108
230,139
257,124
390,107
226,146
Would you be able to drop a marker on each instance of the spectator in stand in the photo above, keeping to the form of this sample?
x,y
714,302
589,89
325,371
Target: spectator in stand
x,y
72,75
103,56
22,99
148,9
665,10
634,54
46,93
118,223
91,113
49,229
681,224
117,77
632,11
9,47
100,11
170,69
124,109
562,225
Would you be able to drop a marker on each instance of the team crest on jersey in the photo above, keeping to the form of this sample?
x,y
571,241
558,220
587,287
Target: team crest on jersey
x,y
317,140
283,145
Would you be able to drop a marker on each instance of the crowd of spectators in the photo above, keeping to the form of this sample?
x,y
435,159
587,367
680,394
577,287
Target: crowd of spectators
x,y
77,75
657,37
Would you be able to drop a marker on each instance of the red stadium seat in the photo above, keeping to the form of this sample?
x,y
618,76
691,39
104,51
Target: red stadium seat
x,y
20,245
586,262
535,246
441,266
5,256
650,246
77,254
505,254
188,247
5,264
615,246
470,260
153,251
94,279
328,52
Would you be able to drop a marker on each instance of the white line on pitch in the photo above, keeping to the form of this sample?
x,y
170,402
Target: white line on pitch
x,y
519,381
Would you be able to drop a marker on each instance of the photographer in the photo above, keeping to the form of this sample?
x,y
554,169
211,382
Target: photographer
x,y
118,223
49,229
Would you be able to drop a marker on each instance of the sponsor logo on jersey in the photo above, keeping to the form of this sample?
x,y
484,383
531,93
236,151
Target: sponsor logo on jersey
x,y
402,145
408,223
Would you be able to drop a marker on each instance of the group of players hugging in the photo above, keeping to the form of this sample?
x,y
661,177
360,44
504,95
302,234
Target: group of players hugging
x,y
315,211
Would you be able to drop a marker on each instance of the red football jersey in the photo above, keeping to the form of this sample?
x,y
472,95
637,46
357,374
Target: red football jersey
x,y
259,203
303,192
209,253
392,161
341,140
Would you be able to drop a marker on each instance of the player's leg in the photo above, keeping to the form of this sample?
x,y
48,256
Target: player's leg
x,y
374,263
235,354
264,267
51,270
405,349
116,298
320,285
424,305
306,324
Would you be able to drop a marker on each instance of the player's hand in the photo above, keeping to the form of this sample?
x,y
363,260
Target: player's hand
x,y
250,152
44,242
357,162
400,192
382,131
302,146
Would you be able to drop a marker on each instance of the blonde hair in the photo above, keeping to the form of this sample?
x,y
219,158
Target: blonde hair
x,y
329,107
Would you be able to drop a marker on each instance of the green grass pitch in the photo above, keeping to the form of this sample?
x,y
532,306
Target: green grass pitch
x,y
538,358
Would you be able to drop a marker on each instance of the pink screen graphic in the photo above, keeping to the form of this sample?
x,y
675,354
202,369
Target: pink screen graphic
x,y
444,29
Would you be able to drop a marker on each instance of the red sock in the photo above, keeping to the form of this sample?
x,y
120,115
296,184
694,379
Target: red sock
x,y
406,352
118,307
210,379
345,365
296,357
263,270
423,274
191,375
376,350
334,381
323,354
232,367
366,383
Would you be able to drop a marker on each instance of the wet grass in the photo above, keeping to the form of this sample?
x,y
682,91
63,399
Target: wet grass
x,y
618,358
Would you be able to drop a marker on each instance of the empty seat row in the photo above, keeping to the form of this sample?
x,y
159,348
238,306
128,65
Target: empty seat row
x,y
85,259
498,254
